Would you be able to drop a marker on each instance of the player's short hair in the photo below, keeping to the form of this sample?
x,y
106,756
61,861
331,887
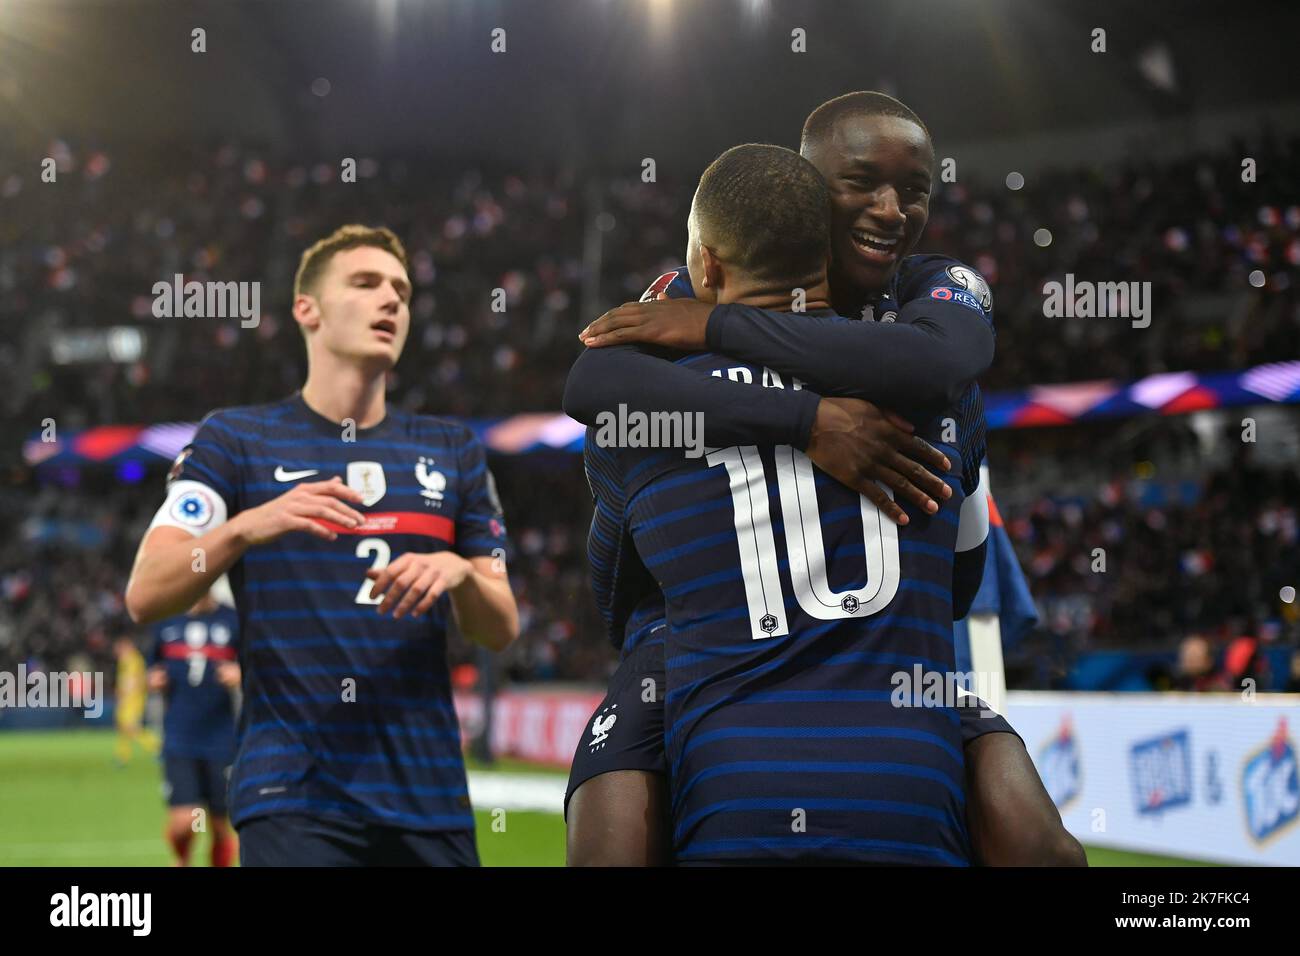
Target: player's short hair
x,y
317,258
766,210
817,127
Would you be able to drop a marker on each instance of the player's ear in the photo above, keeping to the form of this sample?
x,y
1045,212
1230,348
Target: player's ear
x,y
306,311
712,267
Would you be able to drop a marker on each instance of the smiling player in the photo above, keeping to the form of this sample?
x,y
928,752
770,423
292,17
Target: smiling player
x,y
933,317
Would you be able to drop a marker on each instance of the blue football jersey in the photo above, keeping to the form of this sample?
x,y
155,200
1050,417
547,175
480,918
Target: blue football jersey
x,y
945,279
199,720
791,604
346,714
625,593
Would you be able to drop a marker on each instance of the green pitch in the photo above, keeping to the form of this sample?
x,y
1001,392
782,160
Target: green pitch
x,y
66,804
1100,856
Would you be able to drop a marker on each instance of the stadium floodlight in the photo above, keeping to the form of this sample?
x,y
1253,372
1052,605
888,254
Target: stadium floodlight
x,y
386,15
659,14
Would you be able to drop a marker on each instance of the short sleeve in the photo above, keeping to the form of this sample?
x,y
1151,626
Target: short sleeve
x,y
202,484
211,458
480,520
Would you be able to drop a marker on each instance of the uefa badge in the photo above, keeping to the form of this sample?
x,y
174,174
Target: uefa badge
x,y
974,283
366,478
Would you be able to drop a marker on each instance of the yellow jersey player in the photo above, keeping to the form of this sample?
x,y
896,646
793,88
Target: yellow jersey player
x,y
132,692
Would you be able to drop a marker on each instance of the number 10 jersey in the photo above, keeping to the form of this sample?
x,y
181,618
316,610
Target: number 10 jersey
x,y
801,622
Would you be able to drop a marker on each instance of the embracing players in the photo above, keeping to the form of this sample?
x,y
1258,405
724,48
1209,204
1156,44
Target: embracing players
x,y
351,532
932,338
790,599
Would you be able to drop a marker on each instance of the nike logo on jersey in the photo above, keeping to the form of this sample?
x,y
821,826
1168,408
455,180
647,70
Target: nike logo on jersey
x,y
282,475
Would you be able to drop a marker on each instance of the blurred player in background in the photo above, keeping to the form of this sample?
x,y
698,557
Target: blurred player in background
x,y
132,693
195,665
352,532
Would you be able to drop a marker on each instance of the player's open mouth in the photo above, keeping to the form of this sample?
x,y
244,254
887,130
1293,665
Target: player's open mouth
x,y
875,248
386,327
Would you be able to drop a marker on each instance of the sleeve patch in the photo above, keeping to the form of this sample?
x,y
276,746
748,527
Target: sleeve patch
x,y
960,296
659,285
178,463
494,498
191,506
194,508
972,283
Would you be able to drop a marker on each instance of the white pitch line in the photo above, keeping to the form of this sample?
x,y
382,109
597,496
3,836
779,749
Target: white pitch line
x,y
494,789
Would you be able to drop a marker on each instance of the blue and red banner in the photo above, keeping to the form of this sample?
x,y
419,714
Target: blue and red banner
x,y
1169,393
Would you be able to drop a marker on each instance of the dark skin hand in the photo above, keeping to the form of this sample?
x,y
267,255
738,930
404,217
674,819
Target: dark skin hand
x,y
671,323
859,445
853,441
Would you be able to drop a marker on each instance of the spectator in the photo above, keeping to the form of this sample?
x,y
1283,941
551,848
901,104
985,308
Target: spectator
x,y
1196,666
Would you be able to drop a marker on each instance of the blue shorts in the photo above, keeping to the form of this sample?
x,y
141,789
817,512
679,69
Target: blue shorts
x,y
196,782
626,732
290,839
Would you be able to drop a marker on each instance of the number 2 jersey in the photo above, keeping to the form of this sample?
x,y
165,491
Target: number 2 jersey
x,y
793,607
346,714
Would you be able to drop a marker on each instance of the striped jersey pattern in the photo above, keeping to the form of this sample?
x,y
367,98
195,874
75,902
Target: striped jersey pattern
x,y
791,604
347,714
200,718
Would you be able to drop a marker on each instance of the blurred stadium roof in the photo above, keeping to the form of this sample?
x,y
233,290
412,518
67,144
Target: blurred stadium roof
x,y
598,82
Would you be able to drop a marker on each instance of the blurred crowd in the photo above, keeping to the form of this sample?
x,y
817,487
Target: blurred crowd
x,y
1130,565
86,252
67,553
1177,549
1222,257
